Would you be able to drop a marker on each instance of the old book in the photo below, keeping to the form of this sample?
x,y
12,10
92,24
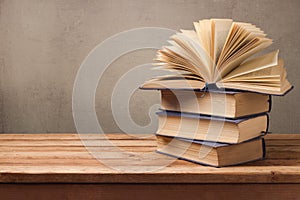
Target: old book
x,y
215,129
209,153
229,104
219,51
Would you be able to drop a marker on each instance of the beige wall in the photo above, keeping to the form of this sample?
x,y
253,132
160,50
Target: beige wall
x,y
43,43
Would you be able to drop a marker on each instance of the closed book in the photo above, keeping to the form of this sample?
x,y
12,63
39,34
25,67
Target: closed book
x,y
229,104
212,154
216,129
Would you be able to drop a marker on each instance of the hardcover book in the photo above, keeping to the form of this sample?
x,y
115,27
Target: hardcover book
x,y
212,154
201,127
229,104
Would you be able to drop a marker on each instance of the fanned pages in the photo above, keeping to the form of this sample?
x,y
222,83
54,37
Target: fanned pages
x,y
219,51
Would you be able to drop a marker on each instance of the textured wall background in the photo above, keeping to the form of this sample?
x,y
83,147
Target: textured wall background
x,y
43,42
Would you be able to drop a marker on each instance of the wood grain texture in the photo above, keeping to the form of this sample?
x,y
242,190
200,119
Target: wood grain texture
x,y
150,191
62,158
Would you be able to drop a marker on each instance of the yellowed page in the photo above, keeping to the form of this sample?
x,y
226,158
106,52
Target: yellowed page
x,y
271,78
241,35
205,34
242,38
265,72
221,28
258,63
235,33
192,34
169,83
177,57
245,34
254,88
197,52
191,54
180,52
174,67
198,32
257,45
169,57
260,85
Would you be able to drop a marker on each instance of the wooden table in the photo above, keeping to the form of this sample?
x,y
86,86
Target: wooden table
x,y
58,166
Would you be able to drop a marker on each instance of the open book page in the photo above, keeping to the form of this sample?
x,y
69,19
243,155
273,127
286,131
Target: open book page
x,y
242,54
232,32
202,40
255,64
178,77
242,38
220,30
258,81
191,34
218,51
203,29
180,71
204,32
273,90
269,80
274,71
266,82
236,35
272,76
168,58
179,52
202,55
190,53
177,69
174,83
197,53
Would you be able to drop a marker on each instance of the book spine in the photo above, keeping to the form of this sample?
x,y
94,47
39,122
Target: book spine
x,y
186,159
205,116
268,125
270,103
263,147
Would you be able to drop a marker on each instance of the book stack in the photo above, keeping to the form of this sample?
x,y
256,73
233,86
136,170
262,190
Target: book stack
x,y
214,107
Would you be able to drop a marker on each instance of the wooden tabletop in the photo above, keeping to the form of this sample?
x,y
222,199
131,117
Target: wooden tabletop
x,y
122,158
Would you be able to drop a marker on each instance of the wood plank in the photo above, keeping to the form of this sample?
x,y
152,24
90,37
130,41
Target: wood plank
x,y
52,158
282,152
72,143
282,142
150,191
291,139
43,149
109,177
72,136
95,143
72,149
118,136
89,162
276,136
178,166
169,164
14,157
95,138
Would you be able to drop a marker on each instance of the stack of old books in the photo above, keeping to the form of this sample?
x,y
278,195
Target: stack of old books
x,y
214,107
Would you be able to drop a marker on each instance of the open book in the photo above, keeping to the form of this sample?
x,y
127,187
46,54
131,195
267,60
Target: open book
x,y
217,52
